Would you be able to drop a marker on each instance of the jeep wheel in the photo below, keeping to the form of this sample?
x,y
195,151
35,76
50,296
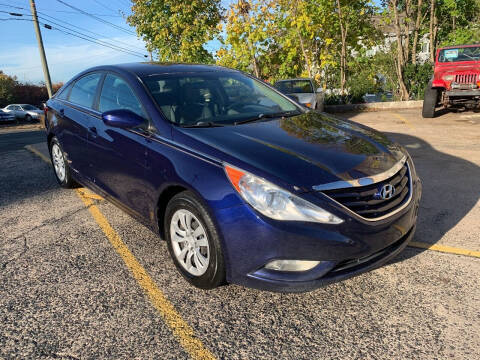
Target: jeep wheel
x,y
429,102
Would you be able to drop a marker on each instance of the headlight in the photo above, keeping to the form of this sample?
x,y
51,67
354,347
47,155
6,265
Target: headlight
x,y
448,77
274,202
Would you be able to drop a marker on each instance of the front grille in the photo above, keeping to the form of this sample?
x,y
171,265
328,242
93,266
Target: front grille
x,y
466,78
366,200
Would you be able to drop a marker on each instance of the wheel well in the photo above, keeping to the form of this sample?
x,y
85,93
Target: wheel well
x,y
49,138
163,200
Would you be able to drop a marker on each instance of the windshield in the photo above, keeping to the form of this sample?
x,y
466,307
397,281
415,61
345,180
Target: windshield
x,y
294,86
29,107
459,54
222,98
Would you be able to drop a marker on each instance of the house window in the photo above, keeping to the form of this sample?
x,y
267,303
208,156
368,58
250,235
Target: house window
x,y
425,47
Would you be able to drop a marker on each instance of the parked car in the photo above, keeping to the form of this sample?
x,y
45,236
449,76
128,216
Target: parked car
x,y
456,79
24,111
245,185
303,91
6,117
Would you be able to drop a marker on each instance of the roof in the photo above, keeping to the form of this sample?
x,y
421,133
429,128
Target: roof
x,y
154,68
459,46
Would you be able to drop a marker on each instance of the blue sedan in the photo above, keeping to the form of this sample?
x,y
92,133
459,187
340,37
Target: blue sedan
x,y
245,185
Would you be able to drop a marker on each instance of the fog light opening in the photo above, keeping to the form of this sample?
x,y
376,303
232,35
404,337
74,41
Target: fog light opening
x,y
291,265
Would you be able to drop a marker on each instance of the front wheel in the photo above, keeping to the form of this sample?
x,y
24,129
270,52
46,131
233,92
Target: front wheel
x,y
429,102
60,166
28,118
193,241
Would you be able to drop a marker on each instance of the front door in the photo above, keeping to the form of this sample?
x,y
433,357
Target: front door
x,y
118,157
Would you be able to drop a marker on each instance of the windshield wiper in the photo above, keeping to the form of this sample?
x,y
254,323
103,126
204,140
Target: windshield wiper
x,y
202,124
283,114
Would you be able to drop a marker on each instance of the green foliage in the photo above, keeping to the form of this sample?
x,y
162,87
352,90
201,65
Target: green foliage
x,y
467,35
416,79
177,30
7,86
12,91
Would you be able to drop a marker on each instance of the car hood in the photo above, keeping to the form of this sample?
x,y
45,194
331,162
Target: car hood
x,y
303,151
34,112
456,68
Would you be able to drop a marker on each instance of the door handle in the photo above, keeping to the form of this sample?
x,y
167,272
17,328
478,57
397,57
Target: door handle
x,y
61,111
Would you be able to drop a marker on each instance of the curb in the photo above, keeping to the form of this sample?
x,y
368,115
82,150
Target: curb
x,y
377,106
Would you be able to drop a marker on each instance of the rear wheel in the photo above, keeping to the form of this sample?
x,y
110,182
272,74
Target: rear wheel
x,y
430,102
193,241
60,166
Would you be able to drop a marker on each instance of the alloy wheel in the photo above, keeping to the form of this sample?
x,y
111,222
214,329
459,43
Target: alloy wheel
x,y
189,242
58,162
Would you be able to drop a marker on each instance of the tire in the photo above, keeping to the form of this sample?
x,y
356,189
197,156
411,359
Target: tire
x,y
58,159
28,118
429,102
205,272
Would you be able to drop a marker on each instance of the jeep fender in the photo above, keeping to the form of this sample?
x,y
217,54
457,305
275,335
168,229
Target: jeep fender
x,y
439,83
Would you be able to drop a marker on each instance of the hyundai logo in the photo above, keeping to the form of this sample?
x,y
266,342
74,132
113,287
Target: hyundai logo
x,y
387,191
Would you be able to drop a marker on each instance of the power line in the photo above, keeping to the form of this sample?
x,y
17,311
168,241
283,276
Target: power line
x,y
76,12
105,6
65,22
60,11
96,39
82,36
98,43
97,18
78,27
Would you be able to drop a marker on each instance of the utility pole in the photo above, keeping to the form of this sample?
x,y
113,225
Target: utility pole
x,y
46,73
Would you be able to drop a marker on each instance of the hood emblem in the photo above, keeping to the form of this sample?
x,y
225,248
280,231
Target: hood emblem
x,y
387,191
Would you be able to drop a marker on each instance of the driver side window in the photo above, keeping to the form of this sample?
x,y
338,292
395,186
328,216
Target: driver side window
x,y
117,95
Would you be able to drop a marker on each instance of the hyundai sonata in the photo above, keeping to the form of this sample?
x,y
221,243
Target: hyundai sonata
x,y
245,185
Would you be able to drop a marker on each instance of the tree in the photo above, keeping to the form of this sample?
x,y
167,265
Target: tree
x,y
356,30
176,30
7,86
248,35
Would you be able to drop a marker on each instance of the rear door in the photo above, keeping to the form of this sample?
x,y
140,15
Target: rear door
x,y
74,117
118,157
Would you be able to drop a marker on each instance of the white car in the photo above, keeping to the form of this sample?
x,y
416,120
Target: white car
x,y
6,117
24,111
303,91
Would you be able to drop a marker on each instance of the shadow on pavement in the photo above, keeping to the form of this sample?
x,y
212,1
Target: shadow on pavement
x,y
450,188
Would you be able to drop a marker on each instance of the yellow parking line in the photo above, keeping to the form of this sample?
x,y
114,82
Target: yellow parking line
x,y
90,195
445,249
180,329
38,153
404,120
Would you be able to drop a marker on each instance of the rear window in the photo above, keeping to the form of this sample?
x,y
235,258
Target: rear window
x,y
459,54
63,94
84,90
294,86
29,107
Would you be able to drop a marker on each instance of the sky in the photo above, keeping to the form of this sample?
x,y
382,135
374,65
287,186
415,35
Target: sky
x,y
68,55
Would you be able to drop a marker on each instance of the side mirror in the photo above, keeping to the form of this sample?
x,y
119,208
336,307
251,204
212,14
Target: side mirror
x,y
319,90
122,118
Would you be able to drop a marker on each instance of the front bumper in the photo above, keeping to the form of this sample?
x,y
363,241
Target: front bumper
x,y
7,118
250,241
461,93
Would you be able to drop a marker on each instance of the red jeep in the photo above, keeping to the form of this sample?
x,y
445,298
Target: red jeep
x,y
456,79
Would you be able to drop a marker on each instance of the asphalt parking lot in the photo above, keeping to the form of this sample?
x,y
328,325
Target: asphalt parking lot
x,y
79,279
